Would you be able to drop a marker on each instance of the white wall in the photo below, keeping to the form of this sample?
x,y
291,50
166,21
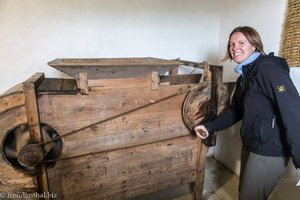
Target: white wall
x,y
295,74
34,32
267,18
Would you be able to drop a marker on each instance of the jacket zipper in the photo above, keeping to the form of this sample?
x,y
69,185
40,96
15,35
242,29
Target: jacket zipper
x,y
273,121
260,137
242,80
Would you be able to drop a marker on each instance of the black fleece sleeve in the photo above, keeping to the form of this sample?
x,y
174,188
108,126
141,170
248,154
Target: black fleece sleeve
x,y
276,83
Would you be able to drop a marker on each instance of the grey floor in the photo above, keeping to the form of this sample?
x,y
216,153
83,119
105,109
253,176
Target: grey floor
x,y
219,184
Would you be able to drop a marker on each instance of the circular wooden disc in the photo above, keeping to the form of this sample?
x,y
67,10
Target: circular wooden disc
x,y
197,104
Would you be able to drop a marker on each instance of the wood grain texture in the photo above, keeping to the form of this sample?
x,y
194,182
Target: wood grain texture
x,y
106,68
127,172
119,154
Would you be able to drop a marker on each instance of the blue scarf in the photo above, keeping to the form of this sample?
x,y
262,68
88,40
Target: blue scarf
x,y
239,68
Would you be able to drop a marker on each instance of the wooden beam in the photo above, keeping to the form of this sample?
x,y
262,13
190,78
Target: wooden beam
x,y
29,88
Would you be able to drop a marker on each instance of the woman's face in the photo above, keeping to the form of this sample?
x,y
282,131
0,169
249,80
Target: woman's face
x,y
240,48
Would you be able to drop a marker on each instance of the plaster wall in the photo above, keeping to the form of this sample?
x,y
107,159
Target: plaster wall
x,y
34,32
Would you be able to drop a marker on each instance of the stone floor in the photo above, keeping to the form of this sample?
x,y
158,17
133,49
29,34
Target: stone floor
x,y
219,184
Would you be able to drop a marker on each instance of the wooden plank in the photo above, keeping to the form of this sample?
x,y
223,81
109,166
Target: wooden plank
x,y
11,101
181,79
148,168
160,121
107,68
15,89
32,113
105,84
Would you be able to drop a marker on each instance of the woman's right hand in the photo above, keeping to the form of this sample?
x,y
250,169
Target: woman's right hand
x,y
201,131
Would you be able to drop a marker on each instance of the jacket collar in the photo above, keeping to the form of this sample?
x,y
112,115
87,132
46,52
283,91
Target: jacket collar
x,y
249,66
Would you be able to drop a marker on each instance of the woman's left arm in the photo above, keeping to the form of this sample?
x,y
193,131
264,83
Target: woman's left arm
x,y
278,85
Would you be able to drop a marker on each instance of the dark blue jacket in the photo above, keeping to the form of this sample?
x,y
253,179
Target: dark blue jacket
x,y
269,104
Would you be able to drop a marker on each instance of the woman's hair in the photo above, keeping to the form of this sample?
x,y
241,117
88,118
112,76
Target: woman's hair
x,y
252,36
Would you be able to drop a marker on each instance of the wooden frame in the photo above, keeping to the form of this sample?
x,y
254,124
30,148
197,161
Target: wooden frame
x,y
122,136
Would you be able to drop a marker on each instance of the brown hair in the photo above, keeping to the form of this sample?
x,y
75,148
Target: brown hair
x,y
252,36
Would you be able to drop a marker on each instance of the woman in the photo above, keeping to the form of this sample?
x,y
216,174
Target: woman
x,y
269,105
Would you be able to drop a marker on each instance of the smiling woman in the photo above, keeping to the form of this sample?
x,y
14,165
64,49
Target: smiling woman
x,y
269,130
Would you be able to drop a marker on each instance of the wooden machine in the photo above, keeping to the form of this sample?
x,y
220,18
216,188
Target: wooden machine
x,y
118,129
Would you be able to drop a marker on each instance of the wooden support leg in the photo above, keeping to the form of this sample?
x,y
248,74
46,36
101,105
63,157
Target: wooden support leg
x,y
200,170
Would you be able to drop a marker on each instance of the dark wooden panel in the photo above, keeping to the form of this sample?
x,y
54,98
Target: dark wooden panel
x,y
181,79
58,85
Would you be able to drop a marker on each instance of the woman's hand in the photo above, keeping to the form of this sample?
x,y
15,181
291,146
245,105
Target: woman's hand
x,y
201,131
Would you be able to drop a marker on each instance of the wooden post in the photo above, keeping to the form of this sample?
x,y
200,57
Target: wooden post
x,y
83,83
154,80
216,78
29,88
207,72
